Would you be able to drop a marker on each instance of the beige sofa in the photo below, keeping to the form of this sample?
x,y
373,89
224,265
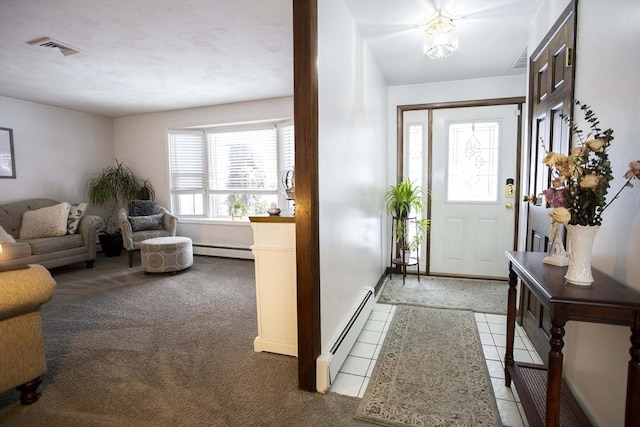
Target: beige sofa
x,y
22,358
47,251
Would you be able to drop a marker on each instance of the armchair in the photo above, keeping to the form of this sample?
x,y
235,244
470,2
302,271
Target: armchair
x,y
22,357
158,222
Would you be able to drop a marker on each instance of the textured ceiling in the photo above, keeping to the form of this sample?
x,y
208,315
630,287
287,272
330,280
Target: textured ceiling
x,y
143,56
146,55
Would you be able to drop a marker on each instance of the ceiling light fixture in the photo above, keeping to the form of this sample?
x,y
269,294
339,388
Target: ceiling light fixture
x,y
440,38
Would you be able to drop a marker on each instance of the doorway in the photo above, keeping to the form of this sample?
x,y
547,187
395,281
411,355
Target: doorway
x,y
469,156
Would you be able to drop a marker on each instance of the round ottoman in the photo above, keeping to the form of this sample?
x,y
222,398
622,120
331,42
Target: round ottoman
x,y
166,254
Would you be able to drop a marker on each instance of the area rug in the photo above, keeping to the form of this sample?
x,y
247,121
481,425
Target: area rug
x,y
431,372
481,296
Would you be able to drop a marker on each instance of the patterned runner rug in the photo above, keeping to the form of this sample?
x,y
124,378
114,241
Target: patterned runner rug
x,y
431,372
481,296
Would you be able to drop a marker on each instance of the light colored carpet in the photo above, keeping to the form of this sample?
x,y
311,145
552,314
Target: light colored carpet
x,y
431,372
481,296
128,349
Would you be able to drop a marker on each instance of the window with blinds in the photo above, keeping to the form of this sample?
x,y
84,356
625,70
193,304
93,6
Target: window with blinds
x,y
218,173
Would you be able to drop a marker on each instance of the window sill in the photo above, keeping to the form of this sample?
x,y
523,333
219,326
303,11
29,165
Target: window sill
x,y
244,222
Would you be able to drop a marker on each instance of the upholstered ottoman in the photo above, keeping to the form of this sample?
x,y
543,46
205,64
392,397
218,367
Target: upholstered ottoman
x,y
166,254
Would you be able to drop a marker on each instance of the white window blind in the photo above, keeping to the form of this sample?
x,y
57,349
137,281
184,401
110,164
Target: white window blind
x,y
286,149
217,171
187,160
244,161
188,172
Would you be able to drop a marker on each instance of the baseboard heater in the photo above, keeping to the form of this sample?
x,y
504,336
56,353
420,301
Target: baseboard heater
x,y
222,251
330,361
233,248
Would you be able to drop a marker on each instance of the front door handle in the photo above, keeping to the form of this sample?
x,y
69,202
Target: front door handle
x,y
531,198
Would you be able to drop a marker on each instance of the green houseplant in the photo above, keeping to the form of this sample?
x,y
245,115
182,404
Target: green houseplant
x,y
237,206
110,189
401,200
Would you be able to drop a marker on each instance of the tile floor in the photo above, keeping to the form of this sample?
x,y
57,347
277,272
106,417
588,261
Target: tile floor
x,y
353,378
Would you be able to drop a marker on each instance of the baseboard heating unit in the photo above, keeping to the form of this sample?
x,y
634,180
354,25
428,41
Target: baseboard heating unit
x,y
335,353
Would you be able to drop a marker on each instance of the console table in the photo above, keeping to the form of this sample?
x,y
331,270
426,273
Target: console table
x,y
605,301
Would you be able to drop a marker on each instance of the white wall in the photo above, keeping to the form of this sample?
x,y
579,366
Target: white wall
x,y
607,79
607,69
352,165
141,141
56,150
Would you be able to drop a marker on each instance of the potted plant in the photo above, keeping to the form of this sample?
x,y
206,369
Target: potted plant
x,y
401,200
238,207
414,243
110,189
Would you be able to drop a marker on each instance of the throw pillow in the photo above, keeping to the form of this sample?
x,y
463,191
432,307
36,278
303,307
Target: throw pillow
x,y
142,207
5,237
147,222
76,212
45,222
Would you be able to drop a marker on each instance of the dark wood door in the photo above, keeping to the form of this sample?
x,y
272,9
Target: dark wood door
x,y
551,73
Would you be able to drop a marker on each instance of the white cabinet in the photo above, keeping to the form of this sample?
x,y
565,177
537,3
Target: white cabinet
x,y
274,249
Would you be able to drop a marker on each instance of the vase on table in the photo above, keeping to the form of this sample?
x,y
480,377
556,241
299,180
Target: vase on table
x,y
580,238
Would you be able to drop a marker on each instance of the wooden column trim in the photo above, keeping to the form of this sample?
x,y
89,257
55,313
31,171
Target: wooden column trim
x,y
305,106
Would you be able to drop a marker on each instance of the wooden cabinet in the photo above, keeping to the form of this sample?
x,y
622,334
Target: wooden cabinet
x,y
544,397
274,249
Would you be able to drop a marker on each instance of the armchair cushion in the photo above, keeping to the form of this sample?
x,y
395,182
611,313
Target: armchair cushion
x,y
131,239
142,207
147,222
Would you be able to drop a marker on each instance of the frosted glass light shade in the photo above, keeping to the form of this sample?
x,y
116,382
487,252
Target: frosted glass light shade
x,y
440,38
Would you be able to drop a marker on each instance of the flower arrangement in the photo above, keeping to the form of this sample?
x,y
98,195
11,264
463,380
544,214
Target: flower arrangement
x,y
580,181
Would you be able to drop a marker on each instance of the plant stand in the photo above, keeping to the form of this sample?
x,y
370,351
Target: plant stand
x,y
402,258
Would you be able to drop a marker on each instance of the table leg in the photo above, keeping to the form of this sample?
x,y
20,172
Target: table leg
x,y
632,413
511,325
554,379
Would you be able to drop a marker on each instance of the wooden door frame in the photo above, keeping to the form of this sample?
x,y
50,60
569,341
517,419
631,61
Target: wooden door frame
x,y
430,107
305,106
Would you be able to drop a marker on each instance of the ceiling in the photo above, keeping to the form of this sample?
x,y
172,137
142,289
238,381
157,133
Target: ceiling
x,y
140,56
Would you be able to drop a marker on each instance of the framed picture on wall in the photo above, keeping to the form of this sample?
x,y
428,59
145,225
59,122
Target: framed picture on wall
x,y
7,157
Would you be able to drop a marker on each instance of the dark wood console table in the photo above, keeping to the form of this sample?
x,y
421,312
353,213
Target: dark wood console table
x,y
605,301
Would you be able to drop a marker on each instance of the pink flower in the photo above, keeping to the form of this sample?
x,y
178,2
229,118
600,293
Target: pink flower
x,y
634,170
554,197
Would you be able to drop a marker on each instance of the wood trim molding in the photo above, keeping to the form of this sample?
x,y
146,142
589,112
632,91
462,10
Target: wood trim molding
x,y
305,106
517,100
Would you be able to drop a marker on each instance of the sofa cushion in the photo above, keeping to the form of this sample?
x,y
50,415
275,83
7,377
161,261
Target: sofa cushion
x,y
15,251
47,245
11,213
142,207
76,211
45,222
5,237
148,222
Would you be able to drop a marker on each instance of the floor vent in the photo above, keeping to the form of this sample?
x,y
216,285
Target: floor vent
x,y
46,42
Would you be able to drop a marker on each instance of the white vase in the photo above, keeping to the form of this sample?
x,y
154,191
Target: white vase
x,y
580,240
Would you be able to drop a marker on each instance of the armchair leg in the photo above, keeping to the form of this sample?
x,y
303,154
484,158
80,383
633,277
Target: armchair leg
x,y
29,392
130,258
90,264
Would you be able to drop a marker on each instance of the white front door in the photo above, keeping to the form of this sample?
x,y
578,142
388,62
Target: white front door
x,y
472,211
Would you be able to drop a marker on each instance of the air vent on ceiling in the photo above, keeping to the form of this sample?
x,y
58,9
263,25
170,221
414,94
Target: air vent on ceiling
x,y
521,61
47,42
